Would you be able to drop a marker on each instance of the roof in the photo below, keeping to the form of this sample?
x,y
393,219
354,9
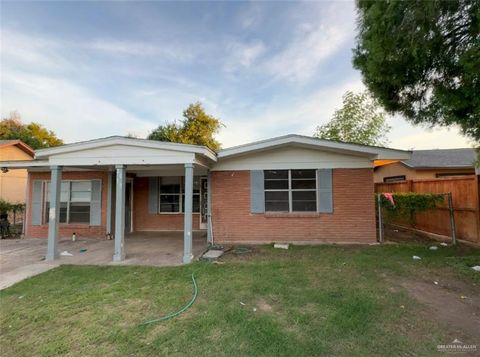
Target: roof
x,y
373,152
122,140
441,158
20,144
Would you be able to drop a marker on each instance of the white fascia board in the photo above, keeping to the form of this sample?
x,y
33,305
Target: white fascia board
x,y
92,144
374,153
103,161
24,164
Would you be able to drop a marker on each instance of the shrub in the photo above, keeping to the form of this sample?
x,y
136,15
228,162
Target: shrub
x,y
6,207
408,204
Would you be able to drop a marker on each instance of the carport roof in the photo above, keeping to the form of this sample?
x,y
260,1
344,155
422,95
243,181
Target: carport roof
x,y
117,150
122,140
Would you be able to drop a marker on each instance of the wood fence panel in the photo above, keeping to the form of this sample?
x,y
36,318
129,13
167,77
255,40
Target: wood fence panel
x,y
465,197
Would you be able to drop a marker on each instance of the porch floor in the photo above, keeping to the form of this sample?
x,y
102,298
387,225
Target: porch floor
x,y
22,258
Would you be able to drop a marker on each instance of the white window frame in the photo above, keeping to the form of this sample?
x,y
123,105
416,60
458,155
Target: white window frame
x,y
291,190
68,202
181,194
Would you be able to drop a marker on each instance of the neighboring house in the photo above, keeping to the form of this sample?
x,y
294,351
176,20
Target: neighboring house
x,y
13,183
287,189
428,164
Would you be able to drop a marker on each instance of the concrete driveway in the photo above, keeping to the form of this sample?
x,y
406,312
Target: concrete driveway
x,y
23,258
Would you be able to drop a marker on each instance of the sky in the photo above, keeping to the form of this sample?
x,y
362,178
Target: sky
x,y
92,69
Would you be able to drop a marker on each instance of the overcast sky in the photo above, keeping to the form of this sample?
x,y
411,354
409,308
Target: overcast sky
x,y
93,69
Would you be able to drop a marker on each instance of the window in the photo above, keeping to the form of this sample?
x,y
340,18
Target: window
x,y
172,197
394,178
290,190
170,194
75,197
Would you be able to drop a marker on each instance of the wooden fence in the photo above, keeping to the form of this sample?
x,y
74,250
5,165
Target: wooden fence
x,y
466,199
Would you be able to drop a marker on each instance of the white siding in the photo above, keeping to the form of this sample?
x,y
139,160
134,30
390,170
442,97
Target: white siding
x,y
292,158
121,154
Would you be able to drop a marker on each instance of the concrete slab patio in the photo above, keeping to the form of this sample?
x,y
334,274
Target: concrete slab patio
x,y
23,258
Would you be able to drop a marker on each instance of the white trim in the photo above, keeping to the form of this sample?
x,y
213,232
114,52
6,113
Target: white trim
x,y
372,152
119,140
24,164
291,190
181,194
46,198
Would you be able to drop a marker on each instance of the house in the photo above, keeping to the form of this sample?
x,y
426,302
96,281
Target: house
x,y
286,189
427,164
13,184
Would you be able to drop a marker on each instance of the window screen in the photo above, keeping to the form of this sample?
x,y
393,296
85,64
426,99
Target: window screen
x,y
290,190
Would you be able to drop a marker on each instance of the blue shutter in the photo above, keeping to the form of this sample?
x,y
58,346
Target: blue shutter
x,y
36,205
324,192
153,195
257,193
96,203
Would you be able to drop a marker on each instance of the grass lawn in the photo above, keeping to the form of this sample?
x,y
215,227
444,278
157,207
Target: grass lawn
x,y
335,300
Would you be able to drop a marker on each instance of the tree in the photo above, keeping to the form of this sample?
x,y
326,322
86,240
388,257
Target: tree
x,y
34,134
360,121
421,59
196,128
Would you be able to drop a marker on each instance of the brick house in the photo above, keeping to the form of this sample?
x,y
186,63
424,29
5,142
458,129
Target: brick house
x,y
288,189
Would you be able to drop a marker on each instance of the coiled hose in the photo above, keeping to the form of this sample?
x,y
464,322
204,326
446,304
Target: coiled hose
x,y
183,309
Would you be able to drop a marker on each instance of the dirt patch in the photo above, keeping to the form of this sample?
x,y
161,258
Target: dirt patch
x,y
262,305
454,305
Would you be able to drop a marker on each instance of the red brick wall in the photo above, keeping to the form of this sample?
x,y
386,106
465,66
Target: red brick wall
x,y
66,230
353,219
144,221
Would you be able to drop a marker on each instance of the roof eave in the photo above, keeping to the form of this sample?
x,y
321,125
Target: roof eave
x,y
85,145
374,153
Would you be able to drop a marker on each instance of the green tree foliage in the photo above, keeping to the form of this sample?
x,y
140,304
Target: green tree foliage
x,y
196,127
421,59
34,134
6,207
360,121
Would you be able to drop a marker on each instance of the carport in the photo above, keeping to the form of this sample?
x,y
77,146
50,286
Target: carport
x,y
120,160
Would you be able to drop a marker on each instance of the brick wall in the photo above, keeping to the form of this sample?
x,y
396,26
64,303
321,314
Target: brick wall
x,y
66,230
144,221
353,219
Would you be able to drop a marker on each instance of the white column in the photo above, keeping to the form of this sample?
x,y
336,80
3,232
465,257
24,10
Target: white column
x,y
120,214
187,209
54,212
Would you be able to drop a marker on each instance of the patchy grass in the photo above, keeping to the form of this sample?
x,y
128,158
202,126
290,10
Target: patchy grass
x,y
336,300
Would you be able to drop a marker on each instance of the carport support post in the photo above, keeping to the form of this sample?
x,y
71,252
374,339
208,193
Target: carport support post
x,y
120,214
187,229
54,212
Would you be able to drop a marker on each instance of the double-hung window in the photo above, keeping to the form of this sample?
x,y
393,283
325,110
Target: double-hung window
x,y
290,190
75,199
172,197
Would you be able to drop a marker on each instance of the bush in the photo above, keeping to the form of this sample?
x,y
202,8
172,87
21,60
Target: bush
x,y
6,207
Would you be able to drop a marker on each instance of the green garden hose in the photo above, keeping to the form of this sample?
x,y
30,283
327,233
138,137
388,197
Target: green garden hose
x,y
183,309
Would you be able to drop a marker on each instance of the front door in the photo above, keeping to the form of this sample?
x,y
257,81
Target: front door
x,y
203,202
128,206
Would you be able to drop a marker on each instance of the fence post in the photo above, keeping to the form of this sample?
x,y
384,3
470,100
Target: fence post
x,y
380,219
452,218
